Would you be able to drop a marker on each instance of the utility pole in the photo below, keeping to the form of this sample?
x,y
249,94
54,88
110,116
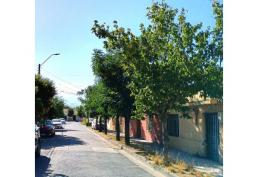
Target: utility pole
x,y
39,69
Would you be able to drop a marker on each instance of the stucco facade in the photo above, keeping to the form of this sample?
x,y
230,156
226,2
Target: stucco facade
x,y
192,132
111,124
192,137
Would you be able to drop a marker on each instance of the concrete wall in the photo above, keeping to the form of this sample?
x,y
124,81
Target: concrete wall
x,y
191,136
192,133
111,124
150,128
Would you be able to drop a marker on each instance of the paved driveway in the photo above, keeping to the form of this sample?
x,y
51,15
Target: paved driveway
x,y
77,152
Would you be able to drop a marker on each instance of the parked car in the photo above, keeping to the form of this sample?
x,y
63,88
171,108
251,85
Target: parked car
x,y
49,122
91,120
78,119
48,129
37,141
57,123
96,125
69,118
93,124
100,126
62,120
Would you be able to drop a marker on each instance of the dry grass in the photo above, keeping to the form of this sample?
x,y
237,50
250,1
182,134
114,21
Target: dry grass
x,y
178,167
156,159
84,121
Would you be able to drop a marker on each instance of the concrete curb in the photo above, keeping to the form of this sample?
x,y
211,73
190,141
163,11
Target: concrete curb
x,y
147,167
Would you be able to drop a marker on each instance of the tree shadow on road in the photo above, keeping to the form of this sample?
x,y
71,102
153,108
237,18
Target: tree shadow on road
x,y
42,168
64,130
59,141
58,175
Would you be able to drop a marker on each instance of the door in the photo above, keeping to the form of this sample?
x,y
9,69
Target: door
x,y
138,129
212,135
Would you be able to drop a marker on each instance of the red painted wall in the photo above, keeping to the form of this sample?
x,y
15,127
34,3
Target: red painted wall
x,y
153,135
133,128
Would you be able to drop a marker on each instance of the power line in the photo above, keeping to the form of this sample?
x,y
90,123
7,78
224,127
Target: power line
x,y
66,82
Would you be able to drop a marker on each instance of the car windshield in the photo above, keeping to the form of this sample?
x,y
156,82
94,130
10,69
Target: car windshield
x,y
55,120
48,122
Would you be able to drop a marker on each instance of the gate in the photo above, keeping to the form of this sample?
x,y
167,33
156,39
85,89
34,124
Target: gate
x,y
212,135
138,129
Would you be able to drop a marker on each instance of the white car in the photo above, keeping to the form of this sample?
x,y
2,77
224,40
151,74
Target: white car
x,y
57,123
62,120
91,120
94,124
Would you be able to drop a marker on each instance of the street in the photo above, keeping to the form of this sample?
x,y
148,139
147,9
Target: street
x,y
77,152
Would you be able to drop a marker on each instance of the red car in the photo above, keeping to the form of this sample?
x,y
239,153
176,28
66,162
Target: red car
x,y
47,129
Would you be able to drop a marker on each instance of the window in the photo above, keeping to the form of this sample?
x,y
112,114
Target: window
x,y
173,125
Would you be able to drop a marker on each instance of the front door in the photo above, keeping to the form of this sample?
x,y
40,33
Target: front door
x,y
138,128
212,135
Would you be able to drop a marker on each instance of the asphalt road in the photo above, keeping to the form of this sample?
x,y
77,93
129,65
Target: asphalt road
x,y
77,152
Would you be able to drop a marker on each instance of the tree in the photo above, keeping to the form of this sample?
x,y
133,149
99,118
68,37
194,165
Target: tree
x,y
170,61
213,73
99,102
80,111
107,66
44,93
56,107
70,112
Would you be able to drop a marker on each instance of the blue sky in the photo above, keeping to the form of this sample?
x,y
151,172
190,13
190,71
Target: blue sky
x,y
64,26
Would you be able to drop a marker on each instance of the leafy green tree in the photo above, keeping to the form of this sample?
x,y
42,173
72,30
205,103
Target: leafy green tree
x,y
44,93
70,112
170,61
98,102
212,85
109,68
80,111
56,108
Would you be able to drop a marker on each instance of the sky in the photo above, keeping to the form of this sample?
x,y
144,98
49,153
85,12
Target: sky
x,y
64,26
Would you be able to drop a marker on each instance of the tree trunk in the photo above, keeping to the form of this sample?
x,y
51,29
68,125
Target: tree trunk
x,y
117,128
127,130
165,139
105,125
97,120
100,124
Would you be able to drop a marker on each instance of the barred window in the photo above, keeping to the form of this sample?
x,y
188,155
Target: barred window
x,y
173,125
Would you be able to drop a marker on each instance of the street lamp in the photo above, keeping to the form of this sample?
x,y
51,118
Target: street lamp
x,y
45,61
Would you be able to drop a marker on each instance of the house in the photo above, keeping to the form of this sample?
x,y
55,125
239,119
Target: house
x,y
201,134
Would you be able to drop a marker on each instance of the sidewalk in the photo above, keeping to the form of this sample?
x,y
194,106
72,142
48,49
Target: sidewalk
x,y
201,164
198,163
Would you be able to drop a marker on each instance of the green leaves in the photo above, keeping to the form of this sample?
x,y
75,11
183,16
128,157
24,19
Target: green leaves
x,y
44,93
168,62
56,107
